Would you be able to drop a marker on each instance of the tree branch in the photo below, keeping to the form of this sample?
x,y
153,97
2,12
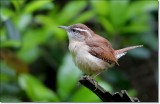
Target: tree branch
x,y
104,95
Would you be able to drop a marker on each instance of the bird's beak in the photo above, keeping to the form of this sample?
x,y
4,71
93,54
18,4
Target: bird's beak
x,y
63,27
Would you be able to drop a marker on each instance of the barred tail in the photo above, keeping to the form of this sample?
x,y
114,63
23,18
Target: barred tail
x,y
121,52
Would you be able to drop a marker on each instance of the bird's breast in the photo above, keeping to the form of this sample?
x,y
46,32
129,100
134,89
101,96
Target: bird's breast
x,y
88,63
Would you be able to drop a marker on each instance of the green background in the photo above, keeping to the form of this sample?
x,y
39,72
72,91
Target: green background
x,y
36,66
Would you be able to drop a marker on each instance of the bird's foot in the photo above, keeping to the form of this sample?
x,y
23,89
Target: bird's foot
x,y
87,77
95,83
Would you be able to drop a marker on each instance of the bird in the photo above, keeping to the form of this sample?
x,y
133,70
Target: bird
x,y
92,53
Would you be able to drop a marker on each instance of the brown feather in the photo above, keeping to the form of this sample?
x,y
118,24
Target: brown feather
x,y
101,48
82,26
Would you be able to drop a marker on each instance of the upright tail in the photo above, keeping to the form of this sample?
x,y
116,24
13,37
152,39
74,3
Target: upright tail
x,y
121,52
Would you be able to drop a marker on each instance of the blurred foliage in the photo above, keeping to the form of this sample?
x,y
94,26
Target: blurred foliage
x,y
29,33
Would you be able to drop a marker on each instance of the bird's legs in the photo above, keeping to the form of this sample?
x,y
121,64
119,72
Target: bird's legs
x,y
95,75
91,78
94,81
83,77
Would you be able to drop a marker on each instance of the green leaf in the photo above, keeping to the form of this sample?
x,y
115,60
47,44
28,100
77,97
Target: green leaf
x,y
107,25
5,14
9,99
33,38
29,55
67,78
143,6
35,90
84,95
132,92
139,8
51,27
10,43
72,9
149,5
137,28
3,34
100,7
6,70
117,12
105,85
36,5
84,17
24,21
17,4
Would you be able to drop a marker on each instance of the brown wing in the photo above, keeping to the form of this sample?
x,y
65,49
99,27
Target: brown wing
x,y
101,48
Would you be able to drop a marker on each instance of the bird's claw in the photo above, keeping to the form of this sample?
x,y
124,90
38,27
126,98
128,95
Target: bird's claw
x,y
92,80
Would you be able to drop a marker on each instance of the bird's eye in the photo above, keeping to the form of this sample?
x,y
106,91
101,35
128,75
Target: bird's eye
x,y
73,30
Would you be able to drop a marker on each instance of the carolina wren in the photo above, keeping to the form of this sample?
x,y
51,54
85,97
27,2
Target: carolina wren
x,y
91,52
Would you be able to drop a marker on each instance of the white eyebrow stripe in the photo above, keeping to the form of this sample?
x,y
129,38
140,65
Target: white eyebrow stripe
x,y
83,30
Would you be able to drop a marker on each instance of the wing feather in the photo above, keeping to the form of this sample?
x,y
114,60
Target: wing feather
x,y
101,48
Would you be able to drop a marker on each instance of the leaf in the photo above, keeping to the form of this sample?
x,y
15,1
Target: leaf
x,y
105,85
132,92
100,7
6,70
5,14
33,38
29,55
149,5
51,27
9,88
71,10
107,25
3,34
84,95
84,17
35,90
24,21
67,78
117,12
137,28
138,8
10,99
10,43
12,32
36,5
17,4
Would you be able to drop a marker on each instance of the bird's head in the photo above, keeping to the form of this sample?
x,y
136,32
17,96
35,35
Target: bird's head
x,y
78,32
